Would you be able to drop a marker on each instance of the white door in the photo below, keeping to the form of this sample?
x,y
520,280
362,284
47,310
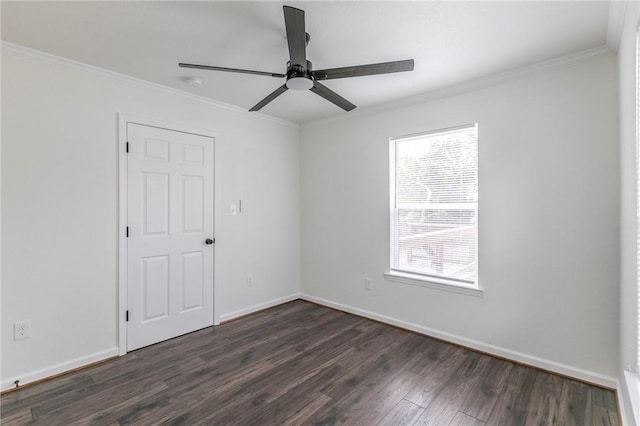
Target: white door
x,y
170,234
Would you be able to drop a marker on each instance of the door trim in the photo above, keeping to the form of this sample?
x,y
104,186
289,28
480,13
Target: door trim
x,y
123,180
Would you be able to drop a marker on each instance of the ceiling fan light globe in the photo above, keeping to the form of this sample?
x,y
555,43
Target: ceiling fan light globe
x,y
299,83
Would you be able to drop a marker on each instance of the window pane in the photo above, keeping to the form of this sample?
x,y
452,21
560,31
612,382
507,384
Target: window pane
x,y
435,215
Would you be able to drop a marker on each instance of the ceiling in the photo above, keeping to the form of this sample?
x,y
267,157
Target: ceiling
x,y
451,43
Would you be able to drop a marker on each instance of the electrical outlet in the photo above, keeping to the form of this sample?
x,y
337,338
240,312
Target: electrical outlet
x,y
22,330
367,284
249,280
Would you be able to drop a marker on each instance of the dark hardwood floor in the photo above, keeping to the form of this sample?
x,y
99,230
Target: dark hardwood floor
x,y
300,363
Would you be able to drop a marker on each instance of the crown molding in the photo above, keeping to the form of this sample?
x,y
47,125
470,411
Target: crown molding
x,y
473,85
37,55
476,84
617,12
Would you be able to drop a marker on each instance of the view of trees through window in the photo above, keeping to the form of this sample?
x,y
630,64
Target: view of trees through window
x,y
436,198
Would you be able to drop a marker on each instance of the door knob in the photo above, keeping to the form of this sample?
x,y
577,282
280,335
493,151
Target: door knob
x,y
209,241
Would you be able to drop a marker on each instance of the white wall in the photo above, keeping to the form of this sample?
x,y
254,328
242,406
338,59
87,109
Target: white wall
x,y
548,220
628,255
60,206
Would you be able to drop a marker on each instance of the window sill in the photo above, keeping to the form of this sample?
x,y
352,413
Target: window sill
x,y
435,283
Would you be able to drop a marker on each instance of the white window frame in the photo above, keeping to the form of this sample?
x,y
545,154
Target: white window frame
x,y
418,279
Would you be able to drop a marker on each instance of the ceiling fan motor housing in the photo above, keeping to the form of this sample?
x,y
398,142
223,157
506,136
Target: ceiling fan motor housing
x,y
299,77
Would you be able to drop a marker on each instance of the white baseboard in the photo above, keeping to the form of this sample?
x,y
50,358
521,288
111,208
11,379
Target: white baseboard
x,y
54,370
259,307
519,357
565,370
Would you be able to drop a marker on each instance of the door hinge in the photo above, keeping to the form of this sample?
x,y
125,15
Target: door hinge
x,y
127,232
127,316
127,148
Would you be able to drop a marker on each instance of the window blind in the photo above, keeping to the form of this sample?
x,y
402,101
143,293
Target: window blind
x,y
435,205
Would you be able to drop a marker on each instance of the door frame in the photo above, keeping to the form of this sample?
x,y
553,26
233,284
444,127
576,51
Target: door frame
x,y
123,181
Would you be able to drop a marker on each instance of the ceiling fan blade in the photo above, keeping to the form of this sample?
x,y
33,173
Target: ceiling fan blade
x,y
209,67
279,91
362,70
331,96
296,35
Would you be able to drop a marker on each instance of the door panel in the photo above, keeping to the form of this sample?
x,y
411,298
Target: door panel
x,y
192,204
156,203
170,215
192,280
155,288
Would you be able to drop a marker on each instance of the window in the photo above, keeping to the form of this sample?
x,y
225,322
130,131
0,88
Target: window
x,y
434,206
638,199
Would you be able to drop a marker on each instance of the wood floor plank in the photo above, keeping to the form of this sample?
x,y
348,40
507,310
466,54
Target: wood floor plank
x,y
307,362
351,400
544,404
303,399
603,417
437,377
370,343
278,347
332,338
394,391
61,388
300,363
277,328
217,368
576,408
194,409
356,375
107,414
121,366
481,401
142,369
512,408
76,410
60,399
449,400
403,413
192,401
20,416
462,419
604,398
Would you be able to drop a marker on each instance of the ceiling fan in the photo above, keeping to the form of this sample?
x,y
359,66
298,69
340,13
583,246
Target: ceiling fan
x,y
301,76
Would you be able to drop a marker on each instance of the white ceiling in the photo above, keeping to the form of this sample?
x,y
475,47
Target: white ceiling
x,y
451,42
